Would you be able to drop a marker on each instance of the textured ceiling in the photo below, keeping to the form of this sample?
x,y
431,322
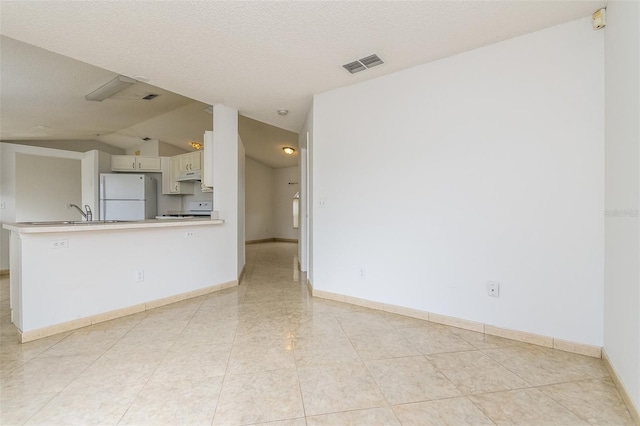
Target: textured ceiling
x,y
260,56
42,98
43,94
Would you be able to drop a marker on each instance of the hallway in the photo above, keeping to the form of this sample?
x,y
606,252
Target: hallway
x,y
267,351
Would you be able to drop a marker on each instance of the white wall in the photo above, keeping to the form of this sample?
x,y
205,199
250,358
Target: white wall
x,y
484,166
622,194
168,150
8,186
155,148
305,246
260,199
227,190
283,203
241,238
145,149
96,272
45,186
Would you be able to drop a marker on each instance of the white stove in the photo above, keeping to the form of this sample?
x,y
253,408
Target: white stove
x,y
196,209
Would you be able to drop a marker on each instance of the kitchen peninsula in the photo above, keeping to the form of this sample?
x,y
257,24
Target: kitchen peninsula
x,y
66,276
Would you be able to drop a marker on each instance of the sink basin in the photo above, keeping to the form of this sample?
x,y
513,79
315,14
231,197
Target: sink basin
x,y
71,222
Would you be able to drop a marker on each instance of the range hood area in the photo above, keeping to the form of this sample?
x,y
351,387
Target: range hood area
x,y
189,176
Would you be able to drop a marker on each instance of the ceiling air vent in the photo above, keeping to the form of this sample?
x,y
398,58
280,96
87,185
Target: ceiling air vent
x,y
371,61
354,67
363,64
150,96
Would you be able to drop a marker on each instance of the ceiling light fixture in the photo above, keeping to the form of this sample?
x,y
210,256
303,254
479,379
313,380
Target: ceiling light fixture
x,y
283,111
196,145
111,88
288,150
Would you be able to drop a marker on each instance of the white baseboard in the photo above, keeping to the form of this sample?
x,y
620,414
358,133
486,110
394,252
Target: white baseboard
x,y
520,336
28,336
622,390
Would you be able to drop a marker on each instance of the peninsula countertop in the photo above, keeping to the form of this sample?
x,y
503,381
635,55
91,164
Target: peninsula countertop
x,y
70,226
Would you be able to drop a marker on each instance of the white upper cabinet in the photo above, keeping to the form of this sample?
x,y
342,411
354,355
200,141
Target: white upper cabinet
x,y
134,163
191,161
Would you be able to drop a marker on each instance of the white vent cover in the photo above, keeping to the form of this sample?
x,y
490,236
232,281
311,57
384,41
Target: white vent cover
x,y
363,64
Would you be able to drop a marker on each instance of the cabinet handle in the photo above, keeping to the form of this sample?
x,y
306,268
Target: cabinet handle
x,y
133,165
139,165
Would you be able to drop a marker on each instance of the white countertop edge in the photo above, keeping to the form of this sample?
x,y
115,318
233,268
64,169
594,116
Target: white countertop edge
x,y
142,224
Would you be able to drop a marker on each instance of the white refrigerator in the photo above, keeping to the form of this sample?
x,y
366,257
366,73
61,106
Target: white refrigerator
x,y
125,196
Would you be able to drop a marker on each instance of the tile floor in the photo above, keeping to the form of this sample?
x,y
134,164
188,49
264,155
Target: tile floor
x,y
267,352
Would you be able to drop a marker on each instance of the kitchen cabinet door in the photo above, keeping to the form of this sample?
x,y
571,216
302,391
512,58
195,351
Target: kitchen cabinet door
x,y
170,170
134,163
123,163
191,161
148,164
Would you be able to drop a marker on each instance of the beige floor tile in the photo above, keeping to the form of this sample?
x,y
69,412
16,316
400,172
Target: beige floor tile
x,y
322,342
382,344
13,349
274,325
444,412
544,366
183,359
191,402
401,321
474,372
16,408
597,401
87,406
45,375
372,416
290,422
113,372
484,341
412,379
249,359
203,333
191,363
435,339
358,322
317,324
338,387
317,357
524,407
259,397
86,342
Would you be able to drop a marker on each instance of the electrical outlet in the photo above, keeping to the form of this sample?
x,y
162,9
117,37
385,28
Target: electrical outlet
x,y
323,202
57,244
139,276
189,234
493,289
3,205
362,273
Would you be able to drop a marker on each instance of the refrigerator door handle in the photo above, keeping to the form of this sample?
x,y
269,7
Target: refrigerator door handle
x,y
103,183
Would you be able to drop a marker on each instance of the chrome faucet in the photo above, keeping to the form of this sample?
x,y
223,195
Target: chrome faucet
x,y
88,215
